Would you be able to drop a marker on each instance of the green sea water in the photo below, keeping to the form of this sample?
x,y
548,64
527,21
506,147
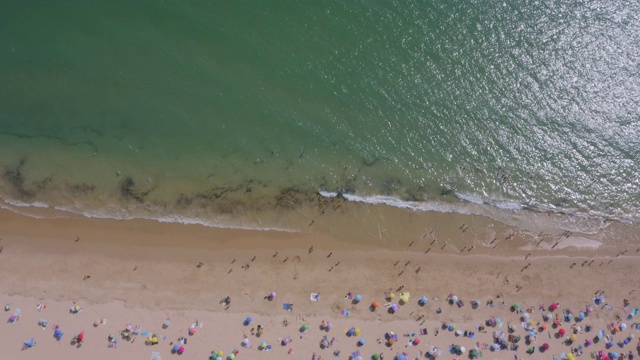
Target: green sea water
x,y
188,109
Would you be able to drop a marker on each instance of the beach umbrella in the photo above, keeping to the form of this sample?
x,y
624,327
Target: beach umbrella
x,y
192,331
80,336
181,350
361,341
588,342
561,332
554,306
351,332
459,332
401,357
13,319
452,327
166,323
272,295
416,341
375,304
392,296
30,342
515,306
454,298
404,297
623,326
57,333
329,325
531,350
220,353
356,331
175,348
474,353
285,341
423,300
358,298
304,327
376,356
614,355
495,346
548,317
248,320
462,349
231,356
263,345
581,315
545,346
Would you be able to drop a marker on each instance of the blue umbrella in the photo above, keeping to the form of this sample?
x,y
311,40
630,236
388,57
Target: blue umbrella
x,y
401,357
615,355
581,315
176,347
423,300
30,342
58,334
248,320
358,298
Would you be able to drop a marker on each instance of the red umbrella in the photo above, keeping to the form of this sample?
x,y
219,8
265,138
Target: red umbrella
x,y
561,331
192,331
554,306
416,341
80,336
545,346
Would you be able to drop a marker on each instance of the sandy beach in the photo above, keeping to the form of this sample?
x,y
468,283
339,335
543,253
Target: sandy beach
x,y
140,273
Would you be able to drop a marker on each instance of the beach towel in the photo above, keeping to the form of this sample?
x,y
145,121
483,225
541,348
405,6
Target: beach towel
x,y
314,297
287,307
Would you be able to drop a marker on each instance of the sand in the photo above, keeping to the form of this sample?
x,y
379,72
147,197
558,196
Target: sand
x,y
142,272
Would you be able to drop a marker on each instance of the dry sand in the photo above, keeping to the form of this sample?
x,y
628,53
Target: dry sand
x,y
142,272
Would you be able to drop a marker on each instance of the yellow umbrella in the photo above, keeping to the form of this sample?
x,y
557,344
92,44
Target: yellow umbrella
x,y
392,296
570,357
404,297
220,353
357,331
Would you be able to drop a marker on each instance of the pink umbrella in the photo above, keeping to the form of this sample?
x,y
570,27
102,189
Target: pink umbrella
x,y
416,341
192,331
129,328
181,350
554,306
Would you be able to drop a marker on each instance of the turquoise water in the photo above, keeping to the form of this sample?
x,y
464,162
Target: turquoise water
x,y
206,107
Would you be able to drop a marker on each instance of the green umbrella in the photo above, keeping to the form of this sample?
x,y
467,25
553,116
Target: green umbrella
x,y
531,350
474,353
376,356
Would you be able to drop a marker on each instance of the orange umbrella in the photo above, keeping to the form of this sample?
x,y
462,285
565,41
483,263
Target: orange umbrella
x,y
375,304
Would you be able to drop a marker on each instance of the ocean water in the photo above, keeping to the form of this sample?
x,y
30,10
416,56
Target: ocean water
x,y
189,111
